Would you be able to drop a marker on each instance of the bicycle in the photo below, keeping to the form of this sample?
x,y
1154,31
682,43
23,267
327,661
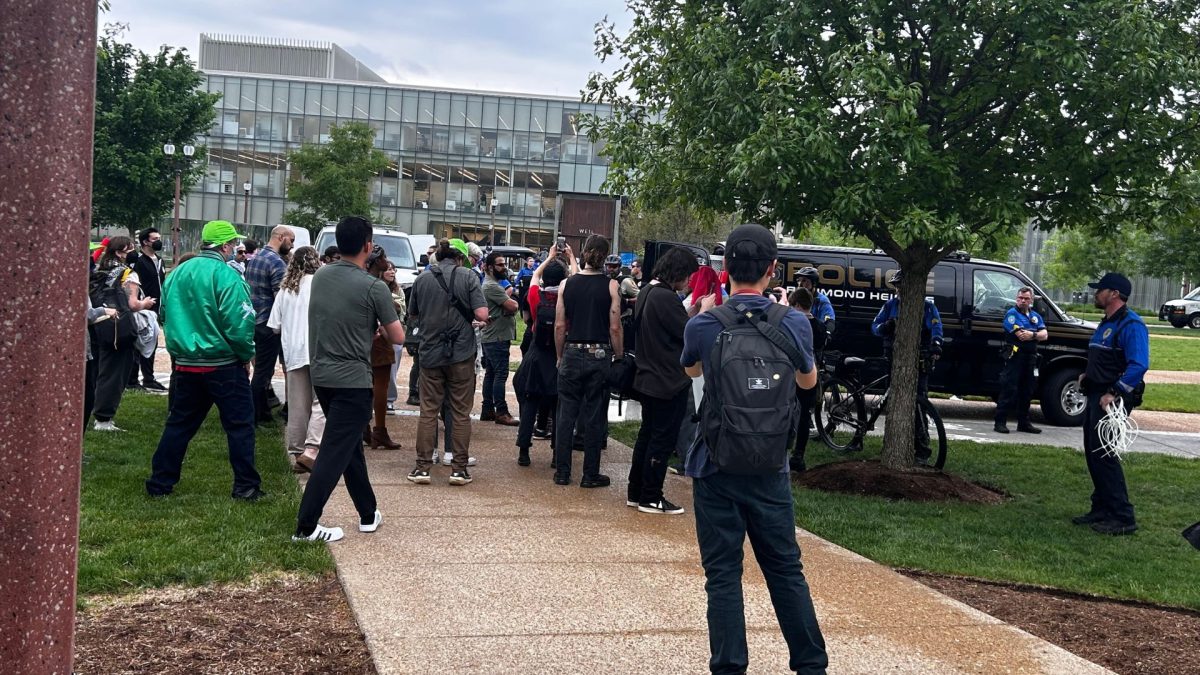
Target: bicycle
x,y
848,409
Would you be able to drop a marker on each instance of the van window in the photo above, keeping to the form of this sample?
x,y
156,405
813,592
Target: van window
x,y
397,249
995,291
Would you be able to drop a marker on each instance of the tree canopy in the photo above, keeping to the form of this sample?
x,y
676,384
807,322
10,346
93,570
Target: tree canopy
x,y
142,103
331,181
925,125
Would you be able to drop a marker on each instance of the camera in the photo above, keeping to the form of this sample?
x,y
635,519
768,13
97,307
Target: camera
x,y
561,244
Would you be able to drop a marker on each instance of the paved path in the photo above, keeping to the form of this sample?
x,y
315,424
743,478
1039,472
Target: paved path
x,y
513,574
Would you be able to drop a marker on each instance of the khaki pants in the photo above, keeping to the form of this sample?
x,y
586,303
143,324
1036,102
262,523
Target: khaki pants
x,y
306,421
457,383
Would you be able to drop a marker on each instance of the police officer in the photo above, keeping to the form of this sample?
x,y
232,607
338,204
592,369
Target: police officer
x,y
822,309
884,326
1024,329
1118,357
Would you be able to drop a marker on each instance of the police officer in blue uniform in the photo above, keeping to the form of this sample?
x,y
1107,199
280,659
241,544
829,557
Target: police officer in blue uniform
x,y
1118,357
884,326
1024,329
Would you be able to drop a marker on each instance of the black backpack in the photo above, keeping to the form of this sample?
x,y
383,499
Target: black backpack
x,y
544,314
750,408
106,290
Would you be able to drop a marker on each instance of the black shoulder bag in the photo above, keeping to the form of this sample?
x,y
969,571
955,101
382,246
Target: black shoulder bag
x,y
622,373
450,337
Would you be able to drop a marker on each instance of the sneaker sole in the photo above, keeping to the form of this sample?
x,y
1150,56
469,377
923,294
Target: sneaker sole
x,y
373,526
631,503
647,509
460,481
419,480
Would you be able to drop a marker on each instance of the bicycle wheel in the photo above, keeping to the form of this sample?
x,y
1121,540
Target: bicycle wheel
x,y
931,430
841,416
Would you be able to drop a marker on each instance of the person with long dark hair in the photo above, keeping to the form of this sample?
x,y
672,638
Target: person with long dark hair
x,y
536,382
115,355
660,381
587,338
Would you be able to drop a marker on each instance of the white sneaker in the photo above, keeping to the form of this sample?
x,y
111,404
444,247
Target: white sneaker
x,y
323,533
373,526
106,426
448,459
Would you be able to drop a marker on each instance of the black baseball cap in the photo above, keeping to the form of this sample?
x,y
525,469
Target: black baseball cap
x,y
751,242
1114,281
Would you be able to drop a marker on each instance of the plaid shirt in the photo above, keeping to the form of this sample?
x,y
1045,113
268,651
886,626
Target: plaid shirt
x,y
264,274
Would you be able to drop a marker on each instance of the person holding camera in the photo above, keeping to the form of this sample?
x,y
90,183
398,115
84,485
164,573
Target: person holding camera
x,y
884,326
448,302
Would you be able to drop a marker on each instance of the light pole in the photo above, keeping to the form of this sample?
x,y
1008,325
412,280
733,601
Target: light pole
x,y
246,207
179,163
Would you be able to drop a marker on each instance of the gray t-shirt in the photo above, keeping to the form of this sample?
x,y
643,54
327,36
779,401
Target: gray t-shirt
x,y
503,326
446,335
346,308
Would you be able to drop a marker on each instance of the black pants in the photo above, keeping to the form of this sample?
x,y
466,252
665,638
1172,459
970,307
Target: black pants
x,y
532,407
347,411
195,394
1110,496
582,400
111,377
266,353
89,385
1016,387
144,364
414,375
661,418
808,400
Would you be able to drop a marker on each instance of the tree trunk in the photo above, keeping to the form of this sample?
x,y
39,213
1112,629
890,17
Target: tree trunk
x,y
898,449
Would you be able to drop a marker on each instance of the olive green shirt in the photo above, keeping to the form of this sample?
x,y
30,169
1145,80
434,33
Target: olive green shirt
x,y
502,327
346,308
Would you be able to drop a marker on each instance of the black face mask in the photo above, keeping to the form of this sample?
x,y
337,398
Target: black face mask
x,y
156,245
131,258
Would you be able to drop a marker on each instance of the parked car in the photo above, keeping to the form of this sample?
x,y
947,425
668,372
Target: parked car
x,y
972,297
1183,312
394,242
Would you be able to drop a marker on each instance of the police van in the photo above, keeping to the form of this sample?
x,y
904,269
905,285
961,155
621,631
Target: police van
x,y
972,297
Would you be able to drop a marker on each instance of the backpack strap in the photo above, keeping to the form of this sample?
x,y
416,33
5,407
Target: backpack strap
x,y
767,322
467,315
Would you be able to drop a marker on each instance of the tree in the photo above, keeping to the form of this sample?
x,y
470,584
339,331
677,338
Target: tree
x,y
142,103
330,181
926,125
1075,257
675,222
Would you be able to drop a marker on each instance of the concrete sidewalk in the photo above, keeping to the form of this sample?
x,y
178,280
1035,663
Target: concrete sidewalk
x,y
513,574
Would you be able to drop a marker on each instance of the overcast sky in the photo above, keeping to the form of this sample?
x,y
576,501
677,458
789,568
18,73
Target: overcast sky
x,y
530,46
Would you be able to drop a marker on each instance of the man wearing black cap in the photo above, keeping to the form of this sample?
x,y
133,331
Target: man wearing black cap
x,y
1118,357
730,504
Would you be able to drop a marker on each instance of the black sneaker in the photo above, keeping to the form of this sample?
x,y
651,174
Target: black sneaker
x,y
523,456
541,434
661,506
413,400
1113,527
419,477
155,386
1000,428
1088,518
460,477
597,481
249,494
560,479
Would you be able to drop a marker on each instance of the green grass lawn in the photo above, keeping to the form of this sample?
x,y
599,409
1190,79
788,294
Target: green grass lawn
x,y
1172,398
198,535
1028,539
1168,354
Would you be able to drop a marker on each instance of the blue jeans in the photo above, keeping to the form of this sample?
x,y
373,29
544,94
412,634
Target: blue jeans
x,y
495,376
728,508
192,397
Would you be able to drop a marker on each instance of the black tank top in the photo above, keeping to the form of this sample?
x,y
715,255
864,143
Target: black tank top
x,y
587,302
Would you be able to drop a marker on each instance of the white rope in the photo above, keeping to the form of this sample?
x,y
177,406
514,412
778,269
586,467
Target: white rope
x,y
1117,430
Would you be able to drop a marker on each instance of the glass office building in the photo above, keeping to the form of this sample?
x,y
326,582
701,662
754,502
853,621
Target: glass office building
x,y
452,154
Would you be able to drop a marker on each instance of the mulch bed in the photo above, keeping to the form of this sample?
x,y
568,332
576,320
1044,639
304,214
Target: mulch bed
x,y
869,477
1125,637
283,626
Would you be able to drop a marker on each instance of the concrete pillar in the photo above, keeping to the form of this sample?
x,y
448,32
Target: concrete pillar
x,y
47,91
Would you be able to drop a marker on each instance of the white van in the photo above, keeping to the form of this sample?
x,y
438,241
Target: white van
x,y
394,242
302,237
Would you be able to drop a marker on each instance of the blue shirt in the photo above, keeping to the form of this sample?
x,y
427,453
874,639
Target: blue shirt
x,y
525,272
699,337
264,274
822,309
1125,331
1016,320
932,326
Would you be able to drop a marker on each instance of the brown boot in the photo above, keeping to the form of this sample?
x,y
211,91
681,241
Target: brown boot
x,y
380,439
507,420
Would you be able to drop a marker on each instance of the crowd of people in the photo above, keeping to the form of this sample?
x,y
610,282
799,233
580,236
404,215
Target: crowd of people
x,y
725,368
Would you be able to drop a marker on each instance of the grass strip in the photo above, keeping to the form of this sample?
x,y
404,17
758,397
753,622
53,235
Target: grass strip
x,y
198,535
1028,539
